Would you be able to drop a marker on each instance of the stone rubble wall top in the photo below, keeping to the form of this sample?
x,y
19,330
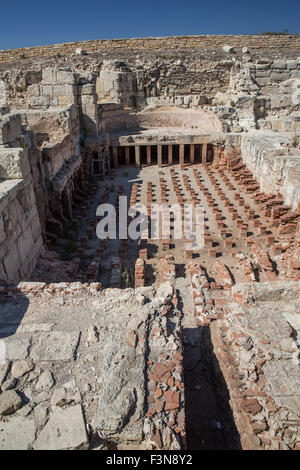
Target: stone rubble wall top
x,y
255,42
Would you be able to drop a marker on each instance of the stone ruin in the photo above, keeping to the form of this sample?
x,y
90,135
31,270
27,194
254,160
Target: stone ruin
x,y
146,344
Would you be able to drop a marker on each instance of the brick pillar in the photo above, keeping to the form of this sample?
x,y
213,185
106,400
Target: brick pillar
x,y
127,156
137,155
139,279
170,154
115,154
192,153
148,154
159,156
204,153
181,154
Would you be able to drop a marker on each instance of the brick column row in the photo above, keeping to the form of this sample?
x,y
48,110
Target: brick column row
x,y
159,155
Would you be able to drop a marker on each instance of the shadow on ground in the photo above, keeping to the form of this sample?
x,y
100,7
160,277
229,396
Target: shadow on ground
x,y
209,420
12,311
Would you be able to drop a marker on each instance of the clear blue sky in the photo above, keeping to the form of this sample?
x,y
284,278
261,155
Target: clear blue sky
x,y
29,22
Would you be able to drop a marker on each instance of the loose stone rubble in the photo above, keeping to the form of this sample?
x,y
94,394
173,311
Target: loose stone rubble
x,y
150,343
83,382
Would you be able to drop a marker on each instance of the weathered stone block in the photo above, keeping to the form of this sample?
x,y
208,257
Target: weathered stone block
x,y
10,401
70,90
12,264
16,349
279,77
279,64
69,78
88,89
47,90
10,128
58,90
295,74
263,81
291,64
49,76
263,73
17,434
34,90
66,100
39,102
64,430
2,93
88,100
55,346
25,244
13,163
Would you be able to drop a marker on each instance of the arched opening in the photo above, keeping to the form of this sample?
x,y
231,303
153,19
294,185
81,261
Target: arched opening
x,y
132,155
187,153
154,154
143,154
197,153
164,154
121,156
175,154
96,164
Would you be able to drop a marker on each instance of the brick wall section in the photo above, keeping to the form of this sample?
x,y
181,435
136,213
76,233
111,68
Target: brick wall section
x,y
172,43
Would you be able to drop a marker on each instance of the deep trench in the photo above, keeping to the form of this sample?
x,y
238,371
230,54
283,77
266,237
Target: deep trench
x,y
209,420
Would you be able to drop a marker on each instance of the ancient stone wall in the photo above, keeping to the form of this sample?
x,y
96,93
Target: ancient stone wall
x,y
178,43
136,71
275,165
20,230
264,73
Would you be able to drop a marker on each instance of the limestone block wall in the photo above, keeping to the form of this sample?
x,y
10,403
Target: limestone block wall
x,y
132,70
117,86
264,74
58,88
10,128
20,230
275,166
57,131
61,88
286,124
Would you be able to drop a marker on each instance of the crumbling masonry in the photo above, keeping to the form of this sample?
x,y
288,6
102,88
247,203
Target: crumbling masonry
x,y
150,344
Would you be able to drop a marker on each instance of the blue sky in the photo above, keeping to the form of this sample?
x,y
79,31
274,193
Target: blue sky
x,y
29,23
